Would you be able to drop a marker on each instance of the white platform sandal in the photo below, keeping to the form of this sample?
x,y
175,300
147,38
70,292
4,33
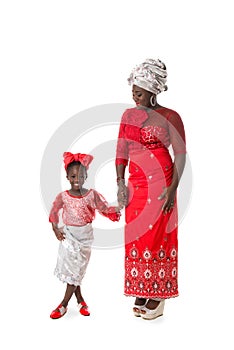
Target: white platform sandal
x,y
148,314
137,309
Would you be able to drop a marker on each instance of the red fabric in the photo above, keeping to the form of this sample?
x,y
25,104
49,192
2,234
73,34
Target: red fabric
x,y
84,159
79,211
151,246
129,138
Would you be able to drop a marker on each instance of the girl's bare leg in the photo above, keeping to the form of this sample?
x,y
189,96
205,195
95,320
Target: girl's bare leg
x,y
78,295
68,294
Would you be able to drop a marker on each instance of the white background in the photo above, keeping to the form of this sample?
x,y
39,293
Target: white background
x,y
61,57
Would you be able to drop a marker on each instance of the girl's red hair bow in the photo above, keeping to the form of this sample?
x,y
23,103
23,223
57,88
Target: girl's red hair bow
x,y
84,159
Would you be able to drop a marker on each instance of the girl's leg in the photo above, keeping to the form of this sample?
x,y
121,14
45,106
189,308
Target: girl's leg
x,y
68,294
62,308
83,308
78,295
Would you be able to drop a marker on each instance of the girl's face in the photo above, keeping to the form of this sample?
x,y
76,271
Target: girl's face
x,y
141,96
76,176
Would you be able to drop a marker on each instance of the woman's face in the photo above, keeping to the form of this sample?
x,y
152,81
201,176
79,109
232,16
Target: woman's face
x,y
141,96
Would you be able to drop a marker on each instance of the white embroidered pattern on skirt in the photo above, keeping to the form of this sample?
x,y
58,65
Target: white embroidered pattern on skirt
x,y
74,254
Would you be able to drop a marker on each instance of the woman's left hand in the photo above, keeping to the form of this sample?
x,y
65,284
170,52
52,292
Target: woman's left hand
x,y
169,195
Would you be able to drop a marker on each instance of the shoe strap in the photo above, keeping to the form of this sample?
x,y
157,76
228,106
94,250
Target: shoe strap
x,y
82,304
152,311
61,309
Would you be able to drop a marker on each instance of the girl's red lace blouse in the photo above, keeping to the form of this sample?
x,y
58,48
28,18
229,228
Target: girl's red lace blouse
x,y
79,211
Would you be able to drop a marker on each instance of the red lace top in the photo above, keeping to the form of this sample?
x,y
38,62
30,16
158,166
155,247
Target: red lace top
x,y
134,136
79,211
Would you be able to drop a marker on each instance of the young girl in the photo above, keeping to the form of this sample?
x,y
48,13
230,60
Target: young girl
x,y
78,211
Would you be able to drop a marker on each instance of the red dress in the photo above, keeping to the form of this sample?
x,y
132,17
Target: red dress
x,y
151,247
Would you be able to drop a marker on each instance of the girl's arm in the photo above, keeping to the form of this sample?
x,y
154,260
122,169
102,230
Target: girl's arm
x,y
60,236
54,216
111,212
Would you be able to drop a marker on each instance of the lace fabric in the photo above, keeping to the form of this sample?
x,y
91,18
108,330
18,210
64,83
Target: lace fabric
x,y
169,132
79,211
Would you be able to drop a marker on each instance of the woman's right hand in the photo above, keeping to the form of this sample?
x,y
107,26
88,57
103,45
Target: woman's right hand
x,y
122,195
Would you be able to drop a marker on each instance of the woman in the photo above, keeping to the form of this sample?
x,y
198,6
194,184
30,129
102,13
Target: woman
x,y
146,131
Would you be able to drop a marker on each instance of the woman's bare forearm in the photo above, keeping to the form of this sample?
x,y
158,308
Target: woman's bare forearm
x,y
179,164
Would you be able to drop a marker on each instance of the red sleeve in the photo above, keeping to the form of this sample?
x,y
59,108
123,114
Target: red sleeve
x,y
177,133
101,205
122,144
57,205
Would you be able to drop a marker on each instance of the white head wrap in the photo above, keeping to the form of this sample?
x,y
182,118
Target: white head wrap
x,y
150,75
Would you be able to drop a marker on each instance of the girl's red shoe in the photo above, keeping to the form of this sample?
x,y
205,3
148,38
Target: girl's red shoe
x,y
83,308
58,312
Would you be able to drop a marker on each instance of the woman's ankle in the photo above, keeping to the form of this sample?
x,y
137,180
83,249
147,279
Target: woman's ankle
x,y
140,301
152,304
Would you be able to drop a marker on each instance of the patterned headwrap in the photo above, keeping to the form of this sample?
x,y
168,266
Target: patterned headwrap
x,y
150,75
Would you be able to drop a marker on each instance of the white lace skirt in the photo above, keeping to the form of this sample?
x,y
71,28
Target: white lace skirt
x,y
74,253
